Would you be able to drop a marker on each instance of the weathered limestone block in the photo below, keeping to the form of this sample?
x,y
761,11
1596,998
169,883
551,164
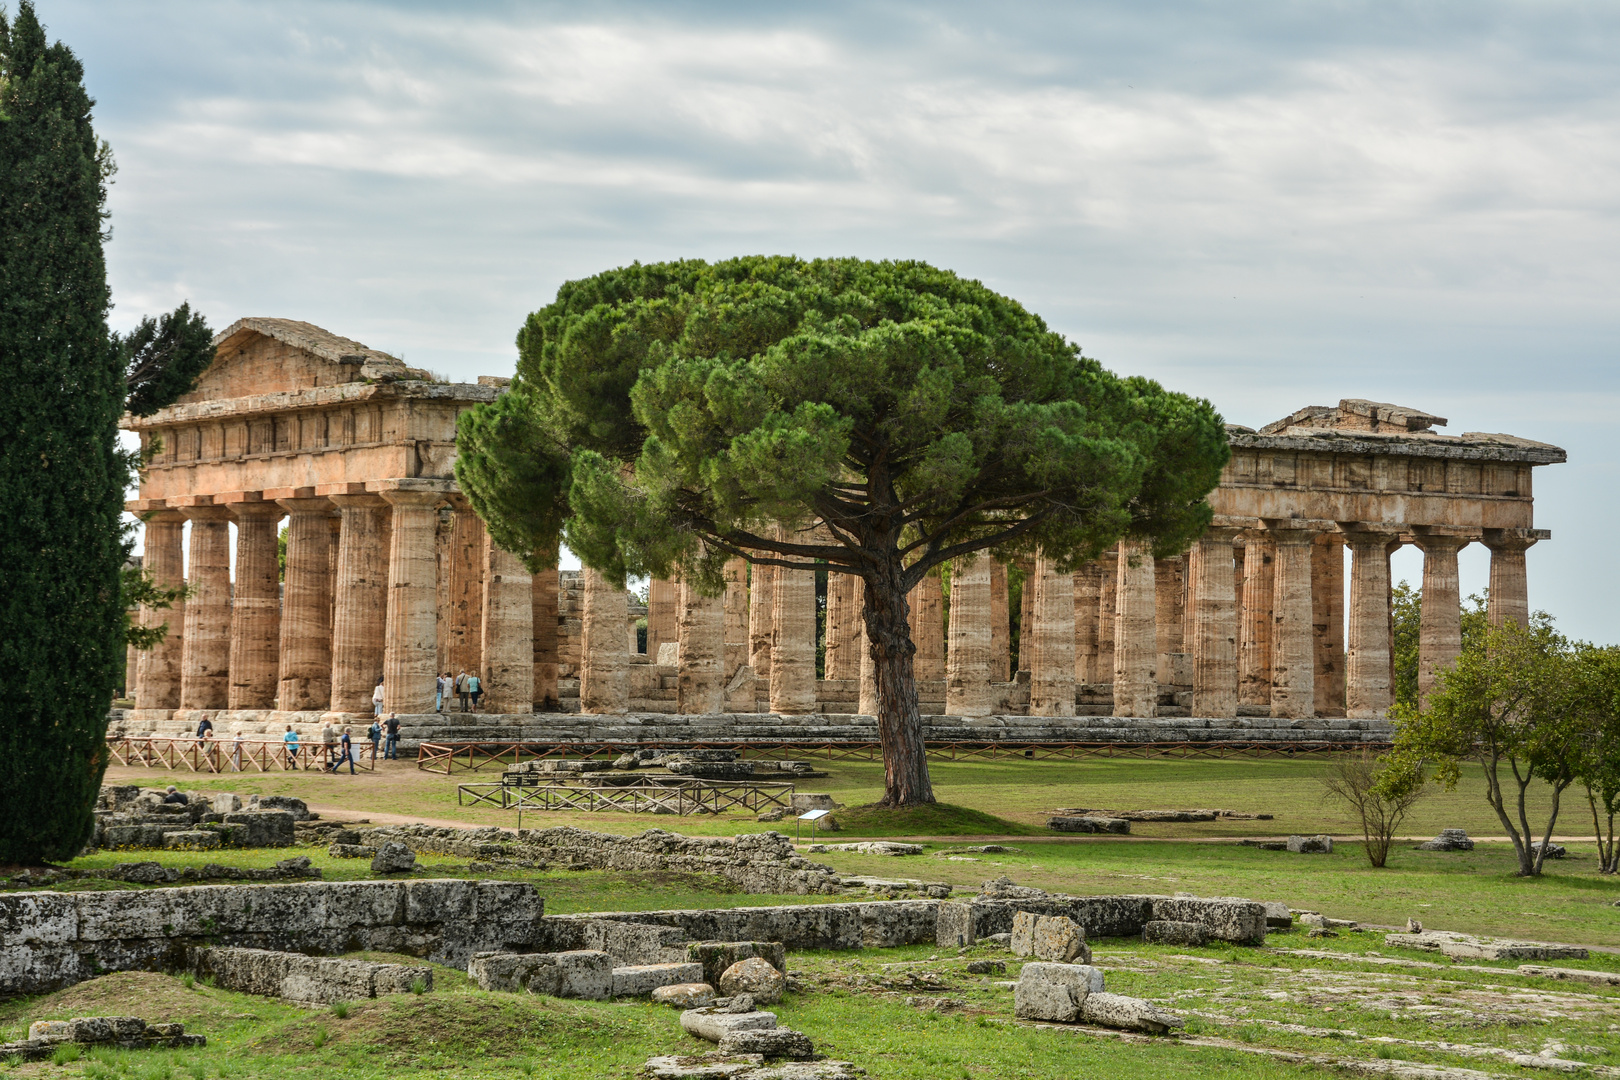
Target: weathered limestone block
x,y
306,979
634,944
351,851
574,974
294,806
1056,938
264,828
1088,823
1129,1014
393,857
642,979
772,1043
755,977
1311,845
713,1024
191,840
716,957
694,995
1174,932
1448,840
1240,921
1054,991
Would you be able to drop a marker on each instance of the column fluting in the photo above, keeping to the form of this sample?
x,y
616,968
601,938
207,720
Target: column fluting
x,y
205,661
306,608
410,651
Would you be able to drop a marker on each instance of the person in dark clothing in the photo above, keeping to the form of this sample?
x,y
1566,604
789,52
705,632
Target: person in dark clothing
x,y
176,796
205,727
345,753
391,747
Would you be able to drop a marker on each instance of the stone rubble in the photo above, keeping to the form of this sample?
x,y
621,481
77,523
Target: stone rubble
x,y
693,995
122,1032
757,978
393,857
1448,840
154,873
1088,824
715,957
1310,845
870,847
1174,932
1066,993
1469,947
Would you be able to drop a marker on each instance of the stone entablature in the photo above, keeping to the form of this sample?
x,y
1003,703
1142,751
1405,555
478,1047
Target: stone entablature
x,y
390,574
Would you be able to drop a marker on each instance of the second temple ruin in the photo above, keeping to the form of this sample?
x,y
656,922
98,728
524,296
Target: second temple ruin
x,y
387,572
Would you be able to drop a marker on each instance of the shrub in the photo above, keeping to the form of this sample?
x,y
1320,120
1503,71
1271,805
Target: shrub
x,y
1381,795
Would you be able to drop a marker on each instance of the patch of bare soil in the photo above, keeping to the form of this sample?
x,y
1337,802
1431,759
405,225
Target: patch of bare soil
x,y
150,995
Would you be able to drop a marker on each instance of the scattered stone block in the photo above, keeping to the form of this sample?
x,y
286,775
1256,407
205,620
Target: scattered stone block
x,y
987,967
226,803
1174,932
191,840
755,977
263,828
1596,978
1448,840
692,995
1310,845
353,851
642,979
303,979
1554,851
1056,938
1054,991
1242,922
717,1066
771,1042
393,858
578,973
871,847
1510,950
712,1023
124,1032
802,802
1128,1013
717,956
1088,824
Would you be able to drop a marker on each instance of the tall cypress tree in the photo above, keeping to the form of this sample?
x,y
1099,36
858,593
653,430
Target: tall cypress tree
x,y
62,473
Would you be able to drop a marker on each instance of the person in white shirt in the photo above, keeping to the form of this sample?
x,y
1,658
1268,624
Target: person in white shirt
x,y
376,698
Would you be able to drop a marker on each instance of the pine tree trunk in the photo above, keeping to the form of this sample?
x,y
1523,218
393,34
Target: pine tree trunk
x,y
888,635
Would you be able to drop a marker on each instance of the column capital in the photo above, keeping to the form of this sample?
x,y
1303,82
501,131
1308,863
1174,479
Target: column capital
x,y
425,500
255,511
163,516
306,505
365,501
205,512
1514,539
1220,534
1291,531
1442,542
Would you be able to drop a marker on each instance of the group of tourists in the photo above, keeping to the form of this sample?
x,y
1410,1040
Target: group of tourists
x,y
469,688
336,748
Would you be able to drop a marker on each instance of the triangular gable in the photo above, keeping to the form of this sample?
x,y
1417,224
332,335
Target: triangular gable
x,y
267,356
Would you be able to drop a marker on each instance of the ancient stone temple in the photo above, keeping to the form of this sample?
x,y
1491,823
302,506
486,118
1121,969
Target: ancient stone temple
x,y
357,559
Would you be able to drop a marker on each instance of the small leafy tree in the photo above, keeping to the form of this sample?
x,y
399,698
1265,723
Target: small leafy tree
x,y
1406,616
1595,710
1506,704
163,357
665,418
1381,793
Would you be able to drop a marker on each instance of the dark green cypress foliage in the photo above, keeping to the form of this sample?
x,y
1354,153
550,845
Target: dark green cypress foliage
x,y
62,474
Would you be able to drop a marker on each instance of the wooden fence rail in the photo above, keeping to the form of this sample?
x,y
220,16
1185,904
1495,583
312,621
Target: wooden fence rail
x,y
673,796
227,755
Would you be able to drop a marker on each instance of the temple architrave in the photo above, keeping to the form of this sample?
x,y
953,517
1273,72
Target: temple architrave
x,y
387,573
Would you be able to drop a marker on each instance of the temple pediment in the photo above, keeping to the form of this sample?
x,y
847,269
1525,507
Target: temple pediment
x,y
258,356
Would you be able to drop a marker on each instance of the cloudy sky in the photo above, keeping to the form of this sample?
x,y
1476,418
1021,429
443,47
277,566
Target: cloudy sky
x,y
1269,204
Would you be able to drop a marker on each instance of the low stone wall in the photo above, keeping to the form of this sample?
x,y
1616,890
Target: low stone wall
x,y
878,925
754,862
307,980
1239,921
726,728
50,940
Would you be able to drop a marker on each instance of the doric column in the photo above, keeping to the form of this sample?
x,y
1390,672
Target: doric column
x,y
1136,646
464,641
361,616
867,697
1510,588
1368,694
1107,615
1051,684
1327,622
700,629
306,634
604,677
507,632
927,618
842,660
159,677
205,660
735,607
543,615
793,645
968,659
410,650
1255,619
662,615
1000,623
1214,643
1028,596
255,608
1293,636
1087,595
761,624
1169,612
1440,628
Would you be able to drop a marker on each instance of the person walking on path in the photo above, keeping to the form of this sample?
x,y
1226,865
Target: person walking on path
x,y
476,689
328,745
236,752
461,689
376,698
391,748
441,686
291,741
374,733
345,753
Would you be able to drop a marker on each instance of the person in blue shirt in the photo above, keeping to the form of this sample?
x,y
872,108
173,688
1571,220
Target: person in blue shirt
x,y
291,739
475,687
345,753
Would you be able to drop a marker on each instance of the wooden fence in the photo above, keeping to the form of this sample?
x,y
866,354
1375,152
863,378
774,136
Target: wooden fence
x,y
229,755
